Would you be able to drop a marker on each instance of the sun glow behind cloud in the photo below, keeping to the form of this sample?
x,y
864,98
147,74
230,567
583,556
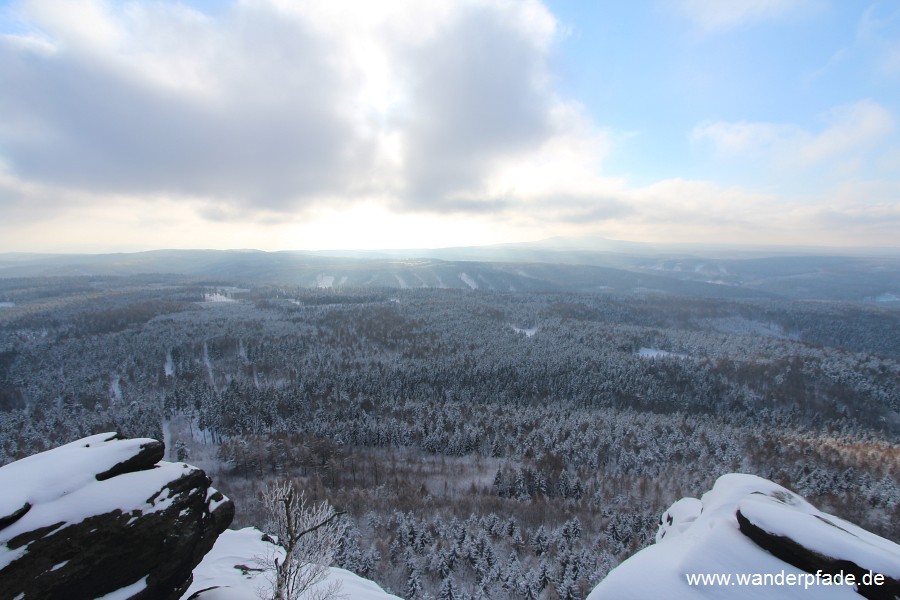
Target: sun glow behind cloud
x,y
282,125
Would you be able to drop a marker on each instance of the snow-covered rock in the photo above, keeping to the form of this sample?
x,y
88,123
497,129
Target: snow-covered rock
x,y
105,517
236,569
750,538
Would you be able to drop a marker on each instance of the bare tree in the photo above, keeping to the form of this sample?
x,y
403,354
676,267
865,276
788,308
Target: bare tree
x,y
309,536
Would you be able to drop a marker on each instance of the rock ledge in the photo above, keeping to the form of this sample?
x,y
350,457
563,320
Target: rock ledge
x,y
101,515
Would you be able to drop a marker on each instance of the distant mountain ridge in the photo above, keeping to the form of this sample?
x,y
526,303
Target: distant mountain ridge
x,y
538,267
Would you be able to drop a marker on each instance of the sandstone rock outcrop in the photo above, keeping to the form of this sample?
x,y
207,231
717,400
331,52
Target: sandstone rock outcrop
x,y
796,532
101,515
750,538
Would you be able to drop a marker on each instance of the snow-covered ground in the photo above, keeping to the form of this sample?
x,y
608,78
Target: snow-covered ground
x,y
225,293
208,364
703,537
239,567
169,365
656,353
216,297
422,282
115,388
7,304
466,279
401,282
741,326
324,281
529,331
878,298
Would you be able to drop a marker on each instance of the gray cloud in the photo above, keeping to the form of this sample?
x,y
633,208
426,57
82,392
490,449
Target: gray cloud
x,y
599,210
265,129
478,93
254,109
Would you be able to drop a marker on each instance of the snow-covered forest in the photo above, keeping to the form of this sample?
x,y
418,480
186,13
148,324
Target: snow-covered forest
x,y
483,444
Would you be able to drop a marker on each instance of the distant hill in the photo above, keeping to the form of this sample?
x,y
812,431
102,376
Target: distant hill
x,y
538,267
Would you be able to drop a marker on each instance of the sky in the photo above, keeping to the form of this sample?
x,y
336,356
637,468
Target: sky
x,y
324,124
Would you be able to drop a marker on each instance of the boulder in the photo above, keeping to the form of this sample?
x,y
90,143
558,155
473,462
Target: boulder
x,y
790,528
750,538
105,515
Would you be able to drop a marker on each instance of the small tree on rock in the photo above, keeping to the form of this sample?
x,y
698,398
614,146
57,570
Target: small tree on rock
x,y
309,536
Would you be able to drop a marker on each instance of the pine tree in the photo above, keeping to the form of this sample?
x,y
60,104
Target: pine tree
x,y
447,591
413,585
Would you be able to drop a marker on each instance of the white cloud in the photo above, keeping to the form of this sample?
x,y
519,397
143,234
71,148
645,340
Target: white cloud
x,y
280,124
877,32
278,105
722,15
847,132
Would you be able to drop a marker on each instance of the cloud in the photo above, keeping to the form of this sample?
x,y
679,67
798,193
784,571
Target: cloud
x,y
279,106
473,103
247,109
270,123
876,32
848,131
719,15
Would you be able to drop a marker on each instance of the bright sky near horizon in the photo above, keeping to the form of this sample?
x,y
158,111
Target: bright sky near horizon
x,y
277,124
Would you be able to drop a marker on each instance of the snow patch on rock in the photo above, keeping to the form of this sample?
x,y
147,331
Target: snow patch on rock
x,y
83,516
238,568
712,536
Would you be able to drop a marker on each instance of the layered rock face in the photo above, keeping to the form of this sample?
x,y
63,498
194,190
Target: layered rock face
x,y
796,532
751,538
105,515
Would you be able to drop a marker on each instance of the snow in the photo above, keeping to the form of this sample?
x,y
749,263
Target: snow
x,y
166,426
206,361
741,326
237,565
7,304
61,487
656,353
489,285
126,592
678,518
169,365
530,331
324,281
879,298
422,282
702,536
401,282
825,534
217,297
223,295
116,389
468,281
214,504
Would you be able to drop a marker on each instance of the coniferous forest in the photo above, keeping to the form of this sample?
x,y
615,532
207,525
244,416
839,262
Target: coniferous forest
x,y
483,444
